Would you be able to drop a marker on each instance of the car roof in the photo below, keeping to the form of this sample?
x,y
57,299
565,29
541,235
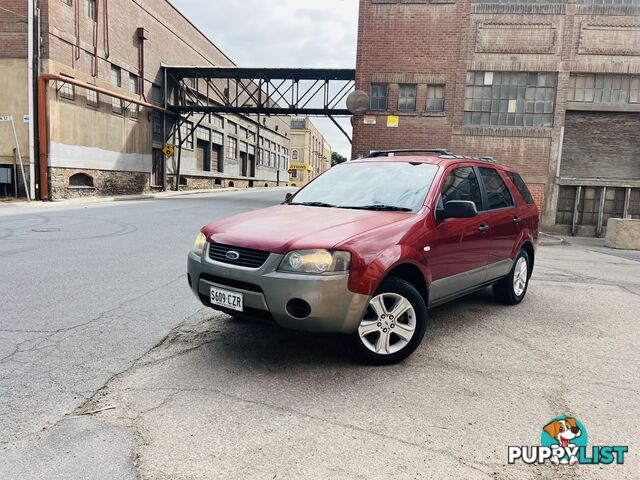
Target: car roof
x,y
445,160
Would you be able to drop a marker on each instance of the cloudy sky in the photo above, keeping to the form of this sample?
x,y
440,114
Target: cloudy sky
x,y
283,33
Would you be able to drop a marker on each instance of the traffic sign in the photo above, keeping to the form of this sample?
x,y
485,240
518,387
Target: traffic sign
x,y
168,151
5,118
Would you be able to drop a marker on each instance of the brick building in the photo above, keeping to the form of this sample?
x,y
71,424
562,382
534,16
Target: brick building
x,y
310,152
551,87
101,145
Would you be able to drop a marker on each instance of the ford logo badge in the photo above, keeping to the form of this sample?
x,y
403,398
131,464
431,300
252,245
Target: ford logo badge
x,y
232,255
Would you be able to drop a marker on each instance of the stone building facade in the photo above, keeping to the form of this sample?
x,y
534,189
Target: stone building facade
x,y
551,87
99,145
310,152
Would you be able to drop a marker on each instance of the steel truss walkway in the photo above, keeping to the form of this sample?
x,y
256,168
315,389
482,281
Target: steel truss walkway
x,y
260,91
250,91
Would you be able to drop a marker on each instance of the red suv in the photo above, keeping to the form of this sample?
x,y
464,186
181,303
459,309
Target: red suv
x,y
366,248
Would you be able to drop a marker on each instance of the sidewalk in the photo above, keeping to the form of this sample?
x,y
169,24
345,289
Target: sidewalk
x,y
22,202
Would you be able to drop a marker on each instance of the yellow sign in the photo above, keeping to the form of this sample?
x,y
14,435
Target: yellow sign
x,y
393,121
300,166
168,151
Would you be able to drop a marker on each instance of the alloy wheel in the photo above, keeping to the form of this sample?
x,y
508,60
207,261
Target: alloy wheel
x,y
520,276
388,324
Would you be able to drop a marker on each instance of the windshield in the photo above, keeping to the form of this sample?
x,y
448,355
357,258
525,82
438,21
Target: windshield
x,y
393,186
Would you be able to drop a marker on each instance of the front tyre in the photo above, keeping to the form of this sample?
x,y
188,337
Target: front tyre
x,y
512,288
393,324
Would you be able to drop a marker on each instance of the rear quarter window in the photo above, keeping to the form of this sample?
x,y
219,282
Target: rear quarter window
x,y
498,193
521,186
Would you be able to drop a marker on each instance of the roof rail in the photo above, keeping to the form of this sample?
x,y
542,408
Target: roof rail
x,y
385,153
443,153
467,157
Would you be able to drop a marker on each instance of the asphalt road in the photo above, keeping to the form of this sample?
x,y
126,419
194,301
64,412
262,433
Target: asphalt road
x,y
86,291
219,398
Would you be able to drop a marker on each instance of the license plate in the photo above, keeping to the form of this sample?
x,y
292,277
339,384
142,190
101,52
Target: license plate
x,y
227,299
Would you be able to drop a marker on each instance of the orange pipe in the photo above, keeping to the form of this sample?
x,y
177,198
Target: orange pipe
x,y
43,139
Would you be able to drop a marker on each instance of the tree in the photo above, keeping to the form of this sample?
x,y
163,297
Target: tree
x,y
336,158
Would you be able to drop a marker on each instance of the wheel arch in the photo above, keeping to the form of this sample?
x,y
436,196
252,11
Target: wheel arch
x,y
528,247
411,274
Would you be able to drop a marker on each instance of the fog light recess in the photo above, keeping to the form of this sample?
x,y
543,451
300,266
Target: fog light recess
x,y
298,308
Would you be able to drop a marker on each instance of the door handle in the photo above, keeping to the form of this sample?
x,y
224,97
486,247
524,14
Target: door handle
x,y
483,228
517,219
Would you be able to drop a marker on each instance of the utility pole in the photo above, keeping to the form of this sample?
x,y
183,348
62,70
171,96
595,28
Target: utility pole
x,y
31,87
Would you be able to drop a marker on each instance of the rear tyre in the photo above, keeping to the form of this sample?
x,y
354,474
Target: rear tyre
x,y
512,289
393,325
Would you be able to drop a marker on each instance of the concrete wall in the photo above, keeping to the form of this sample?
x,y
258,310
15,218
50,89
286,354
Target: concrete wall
x,y
14,101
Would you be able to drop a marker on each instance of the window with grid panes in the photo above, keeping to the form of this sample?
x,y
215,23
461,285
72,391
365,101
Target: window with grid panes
x,y
541,2
216,121
510,98
186,134
232,147
92,98
90,9
116,76
608,2
435,98
604,88
379,94
134,87
407,98
67,91
157,126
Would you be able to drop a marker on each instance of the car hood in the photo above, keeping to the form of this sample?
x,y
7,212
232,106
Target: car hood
x,y
283,228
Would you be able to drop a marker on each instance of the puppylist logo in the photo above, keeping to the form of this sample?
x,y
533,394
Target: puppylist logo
x,y
563,441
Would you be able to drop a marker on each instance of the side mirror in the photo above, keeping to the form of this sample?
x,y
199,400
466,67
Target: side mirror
x,y
457,209
288,196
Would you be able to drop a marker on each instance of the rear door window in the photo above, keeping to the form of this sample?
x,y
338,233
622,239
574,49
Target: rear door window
x,y
498,193
461,184
521,186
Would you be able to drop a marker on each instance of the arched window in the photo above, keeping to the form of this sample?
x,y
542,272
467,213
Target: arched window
x,y
80,180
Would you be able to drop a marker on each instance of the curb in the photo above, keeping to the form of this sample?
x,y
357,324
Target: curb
x,y
131,198
547,240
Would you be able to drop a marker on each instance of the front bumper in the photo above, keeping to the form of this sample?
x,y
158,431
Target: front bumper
x,y
333,308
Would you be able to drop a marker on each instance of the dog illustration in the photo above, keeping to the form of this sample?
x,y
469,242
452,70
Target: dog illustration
x,y
564,431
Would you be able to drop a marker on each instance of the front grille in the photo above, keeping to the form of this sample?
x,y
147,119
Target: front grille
x,y
247,256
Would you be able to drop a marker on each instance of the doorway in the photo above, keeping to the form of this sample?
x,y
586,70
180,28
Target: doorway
x,y
217,158
252,164
157,168
243,164
203,156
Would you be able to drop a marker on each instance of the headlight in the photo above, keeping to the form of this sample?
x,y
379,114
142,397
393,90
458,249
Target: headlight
x,y
198,245
316,262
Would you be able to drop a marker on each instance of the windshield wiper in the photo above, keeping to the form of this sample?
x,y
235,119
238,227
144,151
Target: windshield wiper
x,y
380,208
313,204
